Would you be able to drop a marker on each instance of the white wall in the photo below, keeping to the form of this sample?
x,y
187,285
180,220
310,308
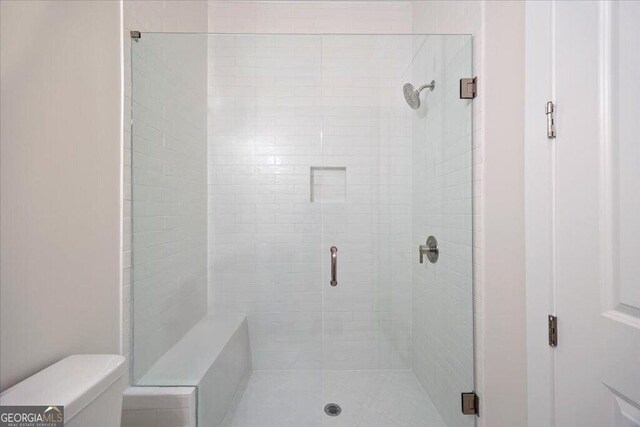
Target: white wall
x,y
149,16
60,190
504,308
310,17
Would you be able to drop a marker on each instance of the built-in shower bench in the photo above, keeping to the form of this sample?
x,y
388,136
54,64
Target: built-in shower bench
x,y
213,357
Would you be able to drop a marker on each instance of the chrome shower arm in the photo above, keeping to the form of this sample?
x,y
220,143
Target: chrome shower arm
x,y
431,86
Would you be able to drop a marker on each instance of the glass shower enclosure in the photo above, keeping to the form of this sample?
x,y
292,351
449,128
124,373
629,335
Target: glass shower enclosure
x,y
290,179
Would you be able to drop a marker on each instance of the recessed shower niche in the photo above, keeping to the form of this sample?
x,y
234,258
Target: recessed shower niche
x,y
328,184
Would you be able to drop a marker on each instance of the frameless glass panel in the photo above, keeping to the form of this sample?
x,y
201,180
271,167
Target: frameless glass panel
x,y
392,326
442,297
169,200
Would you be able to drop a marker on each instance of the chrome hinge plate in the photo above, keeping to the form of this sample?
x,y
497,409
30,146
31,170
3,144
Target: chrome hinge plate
x,y
135,35
553,330
468,88
470,403
551,122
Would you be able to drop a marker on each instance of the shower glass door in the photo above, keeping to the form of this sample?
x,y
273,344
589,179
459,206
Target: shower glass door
x,y
397,334
287,178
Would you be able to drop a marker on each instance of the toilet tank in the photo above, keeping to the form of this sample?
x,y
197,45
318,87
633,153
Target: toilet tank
x,y
89,386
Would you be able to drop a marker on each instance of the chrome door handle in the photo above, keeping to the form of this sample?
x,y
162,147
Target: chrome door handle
x,y
334,266
430,250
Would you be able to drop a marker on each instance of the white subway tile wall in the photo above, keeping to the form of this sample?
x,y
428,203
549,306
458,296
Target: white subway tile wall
x,y
278,107
169,192
366,128
264,234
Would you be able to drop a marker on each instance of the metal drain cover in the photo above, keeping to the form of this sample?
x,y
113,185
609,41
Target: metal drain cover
x,y
332,409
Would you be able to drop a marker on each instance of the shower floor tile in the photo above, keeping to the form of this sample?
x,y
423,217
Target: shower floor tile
x,y
367,398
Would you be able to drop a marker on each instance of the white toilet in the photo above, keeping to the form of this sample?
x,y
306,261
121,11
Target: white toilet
x,y
89,387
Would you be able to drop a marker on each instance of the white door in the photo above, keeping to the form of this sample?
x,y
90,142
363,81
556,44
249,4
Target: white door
x,y
583,213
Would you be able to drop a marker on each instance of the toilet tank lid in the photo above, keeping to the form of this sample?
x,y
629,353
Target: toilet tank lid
x,y
73,382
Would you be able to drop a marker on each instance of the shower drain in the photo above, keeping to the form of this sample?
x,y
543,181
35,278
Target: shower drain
x,y
332,409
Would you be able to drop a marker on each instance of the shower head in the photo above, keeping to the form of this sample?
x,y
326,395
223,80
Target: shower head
x,y
412,95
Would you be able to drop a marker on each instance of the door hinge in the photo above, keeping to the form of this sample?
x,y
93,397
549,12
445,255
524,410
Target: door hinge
x,y
551,125
468,88
553,330
135,35
470,403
